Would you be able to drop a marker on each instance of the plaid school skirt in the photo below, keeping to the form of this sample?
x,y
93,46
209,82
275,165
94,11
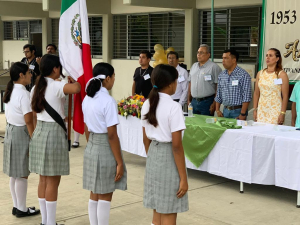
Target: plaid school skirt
x,y
48,150
100,166
162,181
15,151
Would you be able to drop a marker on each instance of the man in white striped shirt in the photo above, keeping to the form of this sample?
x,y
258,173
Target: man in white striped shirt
x,y
182,81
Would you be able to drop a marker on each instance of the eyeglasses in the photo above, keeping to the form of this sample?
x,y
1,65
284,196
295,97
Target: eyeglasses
x,y
26,52
201,53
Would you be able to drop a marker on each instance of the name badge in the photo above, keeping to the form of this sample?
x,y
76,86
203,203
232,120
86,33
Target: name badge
x,y
235,82
181,78
146,77
278,81
31,67
207,77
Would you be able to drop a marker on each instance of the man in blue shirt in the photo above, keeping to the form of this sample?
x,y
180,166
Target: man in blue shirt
x,y
234,88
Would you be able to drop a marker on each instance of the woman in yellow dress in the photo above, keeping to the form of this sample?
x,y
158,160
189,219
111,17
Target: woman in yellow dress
x,y
271,91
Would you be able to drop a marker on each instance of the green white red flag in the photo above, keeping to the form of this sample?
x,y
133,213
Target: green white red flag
x,y
75,51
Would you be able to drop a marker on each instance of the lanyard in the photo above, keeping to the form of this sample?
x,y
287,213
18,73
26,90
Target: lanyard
x,y
31,63
143,73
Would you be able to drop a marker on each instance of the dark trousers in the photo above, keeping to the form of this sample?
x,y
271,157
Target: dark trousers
x,y
202,107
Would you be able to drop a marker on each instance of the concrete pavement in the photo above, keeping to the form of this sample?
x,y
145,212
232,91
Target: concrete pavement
x,y
213,200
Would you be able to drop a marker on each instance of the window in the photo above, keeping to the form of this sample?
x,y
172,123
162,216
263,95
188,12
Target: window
x,y
95,29
20,30
233,28
16,30
133,33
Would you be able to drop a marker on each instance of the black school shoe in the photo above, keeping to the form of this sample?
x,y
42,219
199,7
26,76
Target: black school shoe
x,y
14,210
75,144
20,214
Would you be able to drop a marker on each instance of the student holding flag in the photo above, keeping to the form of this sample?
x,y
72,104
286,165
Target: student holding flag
x,y
48,150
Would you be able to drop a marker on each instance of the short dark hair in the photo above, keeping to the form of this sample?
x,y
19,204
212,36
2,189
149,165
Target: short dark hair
x,y
233,53
31,47
173,53
53,45
147,53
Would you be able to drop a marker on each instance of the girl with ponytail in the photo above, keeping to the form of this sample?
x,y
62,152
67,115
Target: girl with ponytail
x,y
19,129
165,185
48,151
104,169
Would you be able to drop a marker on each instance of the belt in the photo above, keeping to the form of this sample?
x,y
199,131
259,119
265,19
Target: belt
x,y
202,99
233,107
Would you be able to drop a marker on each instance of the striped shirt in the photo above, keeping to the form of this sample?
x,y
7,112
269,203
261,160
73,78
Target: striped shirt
x,y
234,89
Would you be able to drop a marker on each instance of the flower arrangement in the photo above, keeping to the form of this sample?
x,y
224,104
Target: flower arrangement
x,y
131,106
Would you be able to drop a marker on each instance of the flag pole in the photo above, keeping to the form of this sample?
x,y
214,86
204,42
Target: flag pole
x,y
69,121
212,29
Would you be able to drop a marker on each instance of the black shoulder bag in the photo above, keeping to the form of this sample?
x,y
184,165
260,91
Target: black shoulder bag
x,y
52,112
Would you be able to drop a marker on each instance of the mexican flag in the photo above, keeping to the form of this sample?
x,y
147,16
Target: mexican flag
x,y
75,51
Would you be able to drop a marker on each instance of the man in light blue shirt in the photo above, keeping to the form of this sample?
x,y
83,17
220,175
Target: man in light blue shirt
x,y
203,83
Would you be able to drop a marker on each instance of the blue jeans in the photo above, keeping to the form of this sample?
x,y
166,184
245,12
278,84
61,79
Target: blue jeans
x,y
232,113
202,107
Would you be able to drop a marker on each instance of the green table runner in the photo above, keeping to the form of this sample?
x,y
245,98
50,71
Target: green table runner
x,y
201,137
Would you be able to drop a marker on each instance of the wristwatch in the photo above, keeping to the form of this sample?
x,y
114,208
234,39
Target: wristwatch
x,y
243,114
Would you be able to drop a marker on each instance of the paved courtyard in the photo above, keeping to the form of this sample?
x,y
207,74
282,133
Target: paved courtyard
x,y
213,200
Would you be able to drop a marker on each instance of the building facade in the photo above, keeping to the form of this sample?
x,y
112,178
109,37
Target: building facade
x,y
120,29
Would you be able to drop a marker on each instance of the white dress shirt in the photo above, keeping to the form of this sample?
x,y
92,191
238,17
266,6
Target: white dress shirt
x,y
100,112
55,97
169,117
18,106
182,85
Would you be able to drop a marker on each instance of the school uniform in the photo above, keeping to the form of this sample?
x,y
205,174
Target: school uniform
x,y
16,141
48,150
99,166
161,177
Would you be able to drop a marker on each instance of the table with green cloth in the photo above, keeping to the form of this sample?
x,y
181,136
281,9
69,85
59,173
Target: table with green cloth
x,y
201,137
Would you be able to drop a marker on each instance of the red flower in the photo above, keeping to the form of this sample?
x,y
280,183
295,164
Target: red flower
x,y
119,113
134,114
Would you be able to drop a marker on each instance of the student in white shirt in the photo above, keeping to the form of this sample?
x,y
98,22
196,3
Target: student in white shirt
x,y
181,93
104,169
19,129
48,150
165,185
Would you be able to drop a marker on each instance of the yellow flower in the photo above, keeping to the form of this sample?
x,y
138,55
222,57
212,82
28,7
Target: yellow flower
x,y
122,100
142,103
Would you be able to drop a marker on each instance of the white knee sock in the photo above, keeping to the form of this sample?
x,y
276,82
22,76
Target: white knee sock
x,y
76,136
93,212
43,209
51,213
103,212
13,191
21,192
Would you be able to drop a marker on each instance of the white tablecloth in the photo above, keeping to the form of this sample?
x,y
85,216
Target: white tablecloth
x,y
255,154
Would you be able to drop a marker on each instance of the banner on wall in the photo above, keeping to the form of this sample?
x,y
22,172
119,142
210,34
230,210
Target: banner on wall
x,y
280,29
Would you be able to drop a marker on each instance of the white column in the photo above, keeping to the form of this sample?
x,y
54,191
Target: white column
x,y
107,37
47,32
191,37
1,43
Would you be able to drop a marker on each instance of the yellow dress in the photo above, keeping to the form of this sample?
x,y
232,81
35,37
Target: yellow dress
x,y
270,100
